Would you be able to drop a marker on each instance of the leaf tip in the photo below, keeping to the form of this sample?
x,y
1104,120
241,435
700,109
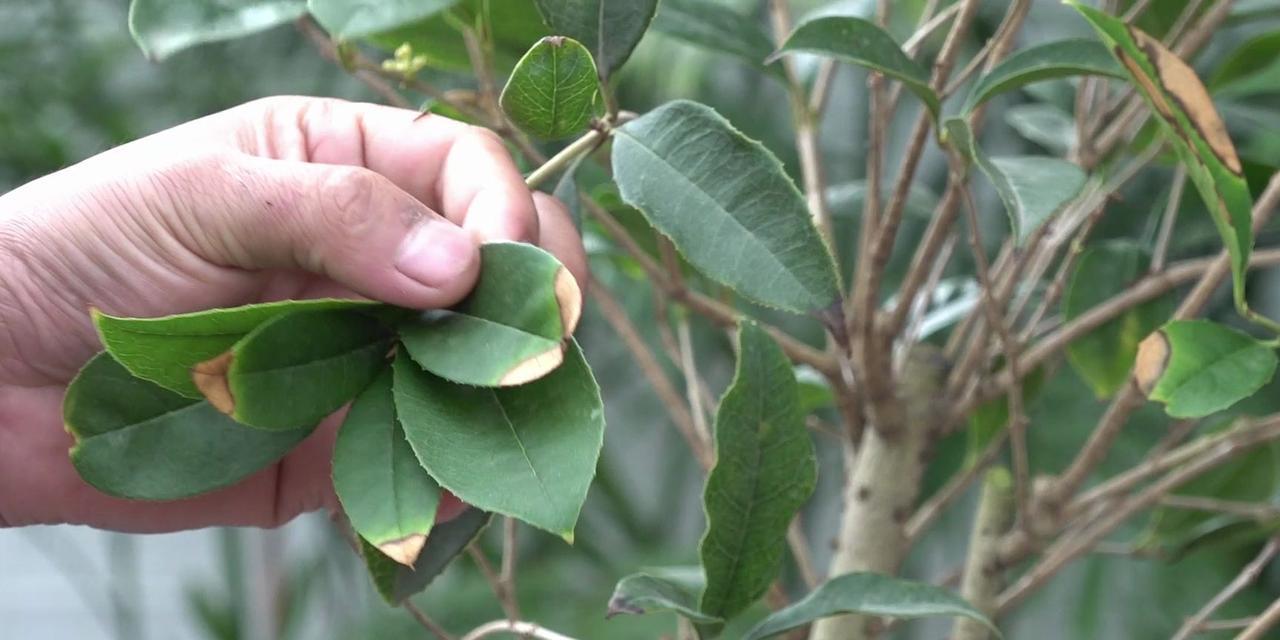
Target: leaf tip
x,y
534,367
1151,362
404,550
569,299
210,377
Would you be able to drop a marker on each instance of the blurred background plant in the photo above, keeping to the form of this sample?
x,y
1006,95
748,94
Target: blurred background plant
x,y
73,83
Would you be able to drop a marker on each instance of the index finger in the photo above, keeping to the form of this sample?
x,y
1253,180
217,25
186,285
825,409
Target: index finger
x,y
463,172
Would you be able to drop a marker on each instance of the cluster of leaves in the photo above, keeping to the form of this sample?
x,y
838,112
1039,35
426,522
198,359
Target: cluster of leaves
x,y
487,401
490,400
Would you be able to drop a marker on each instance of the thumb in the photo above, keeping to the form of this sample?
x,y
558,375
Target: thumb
x,y
347,223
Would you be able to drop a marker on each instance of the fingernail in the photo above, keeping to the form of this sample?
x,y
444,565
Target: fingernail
x,y
435,253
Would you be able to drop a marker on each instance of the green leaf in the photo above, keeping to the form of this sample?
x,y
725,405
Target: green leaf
x,y
388,497
1254,59
1074,57
1197,367
1032,188
868,594
163,350
715,27
164,27
609,29
1192,126
140,441
551,93
726,203
862,43
1105,356
510,330
295,369
815,390
396,582
528,452
765,471
348,19
1043,124
673,589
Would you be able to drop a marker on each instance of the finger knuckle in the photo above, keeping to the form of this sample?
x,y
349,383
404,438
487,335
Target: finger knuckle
x,y
352,197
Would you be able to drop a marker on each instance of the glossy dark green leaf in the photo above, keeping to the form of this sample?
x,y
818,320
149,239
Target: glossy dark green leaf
x,y
388,497
1192,126
347,19
551,93
1104,357
714,26
1074,57
861,42
726,204
164,27
1032,188
296,369
868,594
140,441
1197,367
528,452
765,471
510,330
163,350
609,29
396,582
673,589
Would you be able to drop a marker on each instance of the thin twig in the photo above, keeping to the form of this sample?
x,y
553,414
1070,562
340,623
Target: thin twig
x,y
953,489
1247,576
426,621
495,581
1072,545
527,629
671,400
507,572
576,149
1257,630
1255,510
1168,219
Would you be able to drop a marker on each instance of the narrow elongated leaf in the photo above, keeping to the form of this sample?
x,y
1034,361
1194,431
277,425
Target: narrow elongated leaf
x,y
1032,188
140,441
295,369
765,470
861,42
609,29
1197,367
388,497
552,91
726,204
868,594
1105,356
673,589
1193,128
164,27
510,330
396,582
1074,57
528,452
347,19
163,350
716,27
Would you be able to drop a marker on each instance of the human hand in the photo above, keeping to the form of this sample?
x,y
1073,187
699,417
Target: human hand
x,y
279,198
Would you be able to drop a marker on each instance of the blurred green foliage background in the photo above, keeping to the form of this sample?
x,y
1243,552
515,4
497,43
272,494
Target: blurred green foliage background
x,y
72,83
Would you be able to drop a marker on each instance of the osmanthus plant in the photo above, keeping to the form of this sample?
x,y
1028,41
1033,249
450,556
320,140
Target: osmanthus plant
x,y
494,402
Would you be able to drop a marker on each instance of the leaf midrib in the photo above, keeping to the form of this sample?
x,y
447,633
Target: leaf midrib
x,y
698,188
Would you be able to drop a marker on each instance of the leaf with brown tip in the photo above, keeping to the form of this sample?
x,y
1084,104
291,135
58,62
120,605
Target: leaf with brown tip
x,y
511,330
